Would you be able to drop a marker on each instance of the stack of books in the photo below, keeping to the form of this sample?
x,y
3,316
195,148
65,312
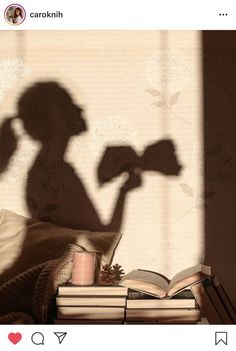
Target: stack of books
x,y
91,304
148,297
144,308
188,296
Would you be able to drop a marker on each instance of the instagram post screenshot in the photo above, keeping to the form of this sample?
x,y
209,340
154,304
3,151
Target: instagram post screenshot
x,y
117,175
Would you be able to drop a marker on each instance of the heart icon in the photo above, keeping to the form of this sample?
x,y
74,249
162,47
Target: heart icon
x,y
14,337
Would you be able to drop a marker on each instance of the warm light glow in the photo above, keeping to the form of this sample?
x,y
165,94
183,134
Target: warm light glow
x,y
136,88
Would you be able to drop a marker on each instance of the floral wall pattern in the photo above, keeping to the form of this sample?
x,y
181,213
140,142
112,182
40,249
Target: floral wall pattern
x,y
136,89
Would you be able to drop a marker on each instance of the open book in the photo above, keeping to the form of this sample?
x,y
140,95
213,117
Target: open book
x,y
156,284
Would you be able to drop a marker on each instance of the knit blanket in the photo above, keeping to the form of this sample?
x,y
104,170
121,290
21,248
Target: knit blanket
x,y
29,297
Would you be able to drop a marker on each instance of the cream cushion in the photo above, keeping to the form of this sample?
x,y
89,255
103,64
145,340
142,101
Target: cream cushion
x,y
26,242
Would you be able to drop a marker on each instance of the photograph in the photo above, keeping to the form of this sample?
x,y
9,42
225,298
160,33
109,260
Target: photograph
x,y
15,14
117,165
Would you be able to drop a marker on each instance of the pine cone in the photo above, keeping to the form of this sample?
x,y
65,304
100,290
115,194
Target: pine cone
x,y
106,275
118,272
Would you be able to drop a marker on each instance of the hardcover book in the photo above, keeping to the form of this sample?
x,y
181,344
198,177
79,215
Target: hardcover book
x,y
156,284
93,290
163,315
91,301
185,299
93,313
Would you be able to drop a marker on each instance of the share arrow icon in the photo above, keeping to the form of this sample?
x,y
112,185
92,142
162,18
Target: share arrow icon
x,y
61,336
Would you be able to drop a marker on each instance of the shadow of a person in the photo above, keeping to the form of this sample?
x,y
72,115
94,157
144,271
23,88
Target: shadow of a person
x,y
54,192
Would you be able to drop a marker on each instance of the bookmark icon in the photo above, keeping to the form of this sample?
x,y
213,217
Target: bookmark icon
x,y
221,337
61,336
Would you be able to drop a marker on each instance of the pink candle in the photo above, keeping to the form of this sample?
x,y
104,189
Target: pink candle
x,y
83,268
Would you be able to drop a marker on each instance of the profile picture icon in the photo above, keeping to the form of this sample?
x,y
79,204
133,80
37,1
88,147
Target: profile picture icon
x,y
15,14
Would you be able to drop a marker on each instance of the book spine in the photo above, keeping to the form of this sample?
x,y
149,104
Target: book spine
x,y
135,295
161,303
160,315
205,303
164,321
88,313
93,291
225,299
87,321
90,301
219,306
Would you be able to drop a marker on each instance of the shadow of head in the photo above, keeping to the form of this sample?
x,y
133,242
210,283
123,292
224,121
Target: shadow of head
x,y
47,110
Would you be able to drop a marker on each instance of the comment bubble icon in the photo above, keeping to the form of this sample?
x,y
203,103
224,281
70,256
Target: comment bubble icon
x,y
37,338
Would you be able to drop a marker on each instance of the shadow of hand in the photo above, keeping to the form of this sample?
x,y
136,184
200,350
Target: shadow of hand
x,y
134,179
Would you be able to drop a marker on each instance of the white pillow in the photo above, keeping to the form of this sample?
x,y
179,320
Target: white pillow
x,y
26,242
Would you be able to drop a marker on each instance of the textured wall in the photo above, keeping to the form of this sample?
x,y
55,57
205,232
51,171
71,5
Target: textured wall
x,y
136,88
